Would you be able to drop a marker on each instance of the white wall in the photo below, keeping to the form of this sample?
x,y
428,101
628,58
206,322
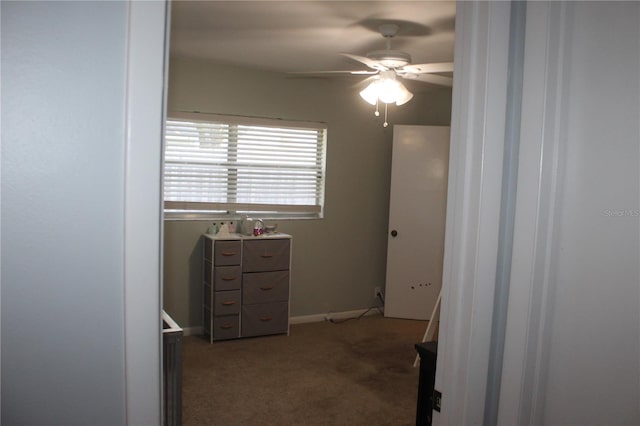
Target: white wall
x,y
67,166
573,330
593,315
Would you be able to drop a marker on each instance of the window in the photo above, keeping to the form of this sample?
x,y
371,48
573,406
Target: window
x,y
226,165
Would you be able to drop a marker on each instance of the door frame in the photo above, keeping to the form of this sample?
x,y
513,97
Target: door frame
x,y
472,238
473,209
145,111
473,212
543,136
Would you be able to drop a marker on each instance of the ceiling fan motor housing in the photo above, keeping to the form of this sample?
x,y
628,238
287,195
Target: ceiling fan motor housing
x,y
390,58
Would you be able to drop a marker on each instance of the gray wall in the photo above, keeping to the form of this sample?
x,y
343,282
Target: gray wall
x,y
338,260
63,85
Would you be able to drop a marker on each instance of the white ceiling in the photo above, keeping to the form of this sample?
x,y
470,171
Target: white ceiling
x,y
292,36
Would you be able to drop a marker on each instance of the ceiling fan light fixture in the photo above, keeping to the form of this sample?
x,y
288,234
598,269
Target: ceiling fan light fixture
x,y
386,88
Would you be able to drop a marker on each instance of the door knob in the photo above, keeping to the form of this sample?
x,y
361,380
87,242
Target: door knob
x,y
394,233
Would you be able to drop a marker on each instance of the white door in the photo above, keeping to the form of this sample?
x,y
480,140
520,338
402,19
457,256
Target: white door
x,y
416,220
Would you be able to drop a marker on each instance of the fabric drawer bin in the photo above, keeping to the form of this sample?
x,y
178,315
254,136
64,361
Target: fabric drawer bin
x,y
227,253
227,327
227,302
262,287
265,318
227,278
266,255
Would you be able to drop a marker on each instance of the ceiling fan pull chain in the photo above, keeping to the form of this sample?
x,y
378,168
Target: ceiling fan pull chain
x,y
377,113
385,124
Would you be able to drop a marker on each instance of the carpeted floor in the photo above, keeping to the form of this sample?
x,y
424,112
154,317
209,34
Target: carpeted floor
x,y
354,373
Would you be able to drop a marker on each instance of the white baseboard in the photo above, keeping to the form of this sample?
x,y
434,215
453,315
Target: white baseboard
x,y
331,315
303,319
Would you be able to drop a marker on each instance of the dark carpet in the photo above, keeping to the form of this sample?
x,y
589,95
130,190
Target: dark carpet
x,y
357,372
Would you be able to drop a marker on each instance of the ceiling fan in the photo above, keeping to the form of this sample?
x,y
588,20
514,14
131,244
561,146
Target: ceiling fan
x,y
400,62
385,68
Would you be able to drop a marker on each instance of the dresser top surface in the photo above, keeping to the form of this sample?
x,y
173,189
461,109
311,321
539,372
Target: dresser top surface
x,y
235,237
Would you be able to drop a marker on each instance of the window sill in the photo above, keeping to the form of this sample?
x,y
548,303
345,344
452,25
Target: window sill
x,y
171,217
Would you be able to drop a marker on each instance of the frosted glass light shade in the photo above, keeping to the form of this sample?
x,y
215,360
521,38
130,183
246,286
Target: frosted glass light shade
x,y
387,90
370,93
404,96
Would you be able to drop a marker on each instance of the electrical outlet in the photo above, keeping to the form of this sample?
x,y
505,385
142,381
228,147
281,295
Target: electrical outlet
x,y
376,292
437,400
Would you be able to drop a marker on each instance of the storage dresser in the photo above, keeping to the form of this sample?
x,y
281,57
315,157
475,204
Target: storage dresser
x,y
246,285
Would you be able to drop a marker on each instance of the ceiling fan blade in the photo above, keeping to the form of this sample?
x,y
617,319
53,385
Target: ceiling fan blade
x,y
427,68
368,62
364,72
356,72
439,80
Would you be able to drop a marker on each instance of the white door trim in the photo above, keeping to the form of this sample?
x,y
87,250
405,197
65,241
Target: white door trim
x,y
145,77
525,358
473,209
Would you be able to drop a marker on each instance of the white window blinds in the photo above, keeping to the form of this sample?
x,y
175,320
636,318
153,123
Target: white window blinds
x,y
230,165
